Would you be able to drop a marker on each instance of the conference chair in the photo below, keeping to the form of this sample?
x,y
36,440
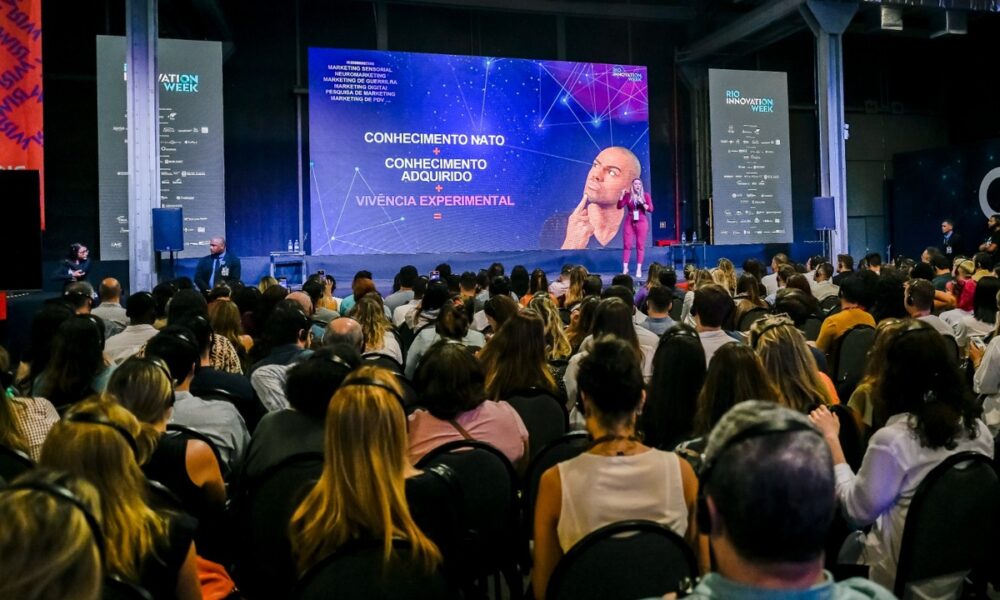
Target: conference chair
x,y
251,412
851,436
544,416
953,522
752,316
358,572
828,304
116,588
676,309
13,462
377,359
629,559
810,328
561,449
191,434
261,511
850,358
489,511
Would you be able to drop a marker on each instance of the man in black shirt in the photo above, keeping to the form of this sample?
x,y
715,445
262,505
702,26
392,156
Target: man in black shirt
x,y
992,243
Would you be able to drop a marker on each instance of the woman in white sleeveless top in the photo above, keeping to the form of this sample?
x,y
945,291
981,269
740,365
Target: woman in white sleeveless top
x,y
617,478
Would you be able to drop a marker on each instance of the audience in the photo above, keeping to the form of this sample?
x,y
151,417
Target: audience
x,y
101,442
678,376
618,478
785,356
712,310
217,420
51,543
598,355
768,501
923,413
454,406
141,314
368,492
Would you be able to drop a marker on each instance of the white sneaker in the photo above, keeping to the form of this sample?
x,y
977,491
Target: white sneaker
x,y
638,273
625,269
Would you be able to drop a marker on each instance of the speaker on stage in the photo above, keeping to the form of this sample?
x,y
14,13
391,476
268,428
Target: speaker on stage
x,y
824,218
21,245
168,230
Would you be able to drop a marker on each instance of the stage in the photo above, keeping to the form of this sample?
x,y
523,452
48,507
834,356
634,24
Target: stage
x,y
385,266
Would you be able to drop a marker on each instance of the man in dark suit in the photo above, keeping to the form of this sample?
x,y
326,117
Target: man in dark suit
x,y
952,244
218,267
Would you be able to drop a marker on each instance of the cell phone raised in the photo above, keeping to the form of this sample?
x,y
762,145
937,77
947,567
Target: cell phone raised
x,y
435,276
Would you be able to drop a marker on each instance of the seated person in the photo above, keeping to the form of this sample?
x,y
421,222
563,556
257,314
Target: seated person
x,y
49,549
618,478
219,421
923,414
451,384
658,303
141,313
853,312
712,310
309,385
286,336
452,324
767,542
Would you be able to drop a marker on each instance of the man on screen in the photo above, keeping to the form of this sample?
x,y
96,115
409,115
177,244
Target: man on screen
x,y
596,220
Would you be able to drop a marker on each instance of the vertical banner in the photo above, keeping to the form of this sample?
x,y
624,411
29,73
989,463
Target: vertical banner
x,y
192,169
751,161
21,138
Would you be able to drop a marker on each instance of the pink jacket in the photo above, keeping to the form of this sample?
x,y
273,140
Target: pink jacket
x,y
627,202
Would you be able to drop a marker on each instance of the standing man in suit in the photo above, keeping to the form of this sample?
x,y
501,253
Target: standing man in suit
x,y
952,244
219,266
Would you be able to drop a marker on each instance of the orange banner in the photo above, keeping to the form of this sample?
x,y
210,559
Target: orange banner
x,y
21,137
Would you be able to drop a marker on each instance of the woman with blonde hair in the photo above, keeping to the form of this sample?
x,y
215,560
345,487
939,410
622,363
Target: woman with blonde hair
x,y
786,357
367,488
187,467
725,275
51,545
557,346
266,282
103,442
377,329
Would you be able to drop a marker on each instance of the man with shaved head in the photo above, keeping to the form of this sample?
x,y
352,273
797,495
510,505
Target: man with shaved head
x,y
219,266
345,331
596,220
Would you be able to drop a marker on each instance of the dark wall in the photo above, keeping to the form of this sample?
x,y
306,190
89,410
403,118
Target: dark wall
x,y
264,63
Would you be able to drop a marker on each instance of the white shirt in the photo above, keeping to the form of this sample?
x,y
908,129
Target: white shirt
x,y
825,289
111,311
987,381
573,370
892,469
399,315
712,341
127,343
426,338
600,490
686,308
938,324
771,283
971,327
390,347
269,384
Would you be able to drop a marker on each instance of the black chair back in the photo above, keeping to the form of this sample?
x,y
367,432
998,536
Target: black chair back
x,y
262,511
811,328
357,572
953,521
752,316
489,507
116,588
851,357
377,359
564,448
676,309
852,439
828,304
630,559
13,462
192,434
544,416
565,315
